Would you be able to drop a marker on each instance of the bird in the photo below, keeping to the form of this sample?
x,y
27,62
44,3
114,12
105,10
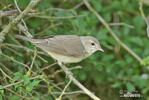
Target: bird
x,y
66,48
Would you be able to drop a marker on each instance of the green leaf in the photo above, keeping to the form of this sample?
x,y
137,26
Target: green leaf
x,y
145,90
130,87
23,3
35,98
138,81
26,79
1,92
1,98
35,82
18,76
14,97
116,85
29,87
82,75
99,78
145,61
46,4
1,86
107,57
96,4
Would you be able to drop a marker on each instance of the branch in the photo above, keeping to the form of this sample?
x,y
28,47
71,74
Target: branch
x,y
5,74
111,32
21,81
120,24
8,13
22,47
22,18
143,15
59,98
11,58
23,97
32,4
69,93
31,66
52,17
76,82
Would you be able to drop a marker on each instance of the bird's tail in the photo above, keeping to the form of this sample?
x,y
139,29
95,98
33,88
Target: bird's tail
x,y
34,41
27,38
23,37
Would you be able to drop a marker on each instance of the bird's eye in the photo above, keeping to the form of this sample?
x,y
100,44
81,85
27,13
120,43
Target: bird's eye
x,y
92,44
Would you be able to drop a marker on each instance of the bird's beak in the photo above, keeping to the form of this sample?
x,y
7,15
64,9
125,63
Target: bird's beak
x,y
100,49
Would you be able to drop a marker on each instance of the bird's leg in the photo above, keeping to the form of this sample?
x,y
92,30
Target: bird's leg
x,y
65,69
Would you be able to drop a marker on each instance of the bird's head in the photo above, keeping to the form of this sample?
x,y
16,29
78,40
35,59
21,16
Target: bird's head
x,y
91,44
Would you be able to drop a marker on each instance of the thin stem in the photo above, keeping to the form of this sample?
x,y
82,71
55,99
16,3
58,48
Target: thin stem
x,y
51,17
64,90
11,58
12,84
30,69
143,16
5,74
68,93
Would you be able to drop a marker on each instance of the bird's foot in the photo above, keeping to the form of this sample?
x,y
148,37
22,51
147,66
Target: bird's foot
x,y
68,73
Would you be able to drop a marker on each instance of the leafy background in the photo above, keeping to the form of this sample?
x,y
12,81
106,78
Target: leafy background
x,y
105,74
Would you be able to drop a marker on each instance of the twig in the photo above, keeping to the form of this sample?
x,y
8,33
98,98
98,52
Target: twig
x,y
6,68
68,93
30,69
56,86
46,67
17,6
22,47
11,58
146,2
119,24
8,13
12,50
5,74
78,6
41,58
76,82
23,97
143,16
29,35
12,84
59,9
59,98
111,32
58,71
32,4
24,30
76,67
51,17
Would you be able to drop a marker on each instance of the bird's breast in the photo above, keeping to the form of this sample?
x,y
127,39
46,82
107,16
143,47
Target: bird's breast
x,y
65,59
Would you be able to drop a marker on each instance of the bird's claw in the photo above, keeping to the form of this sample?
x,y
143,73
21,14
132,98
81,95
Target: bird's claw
x,y
68,73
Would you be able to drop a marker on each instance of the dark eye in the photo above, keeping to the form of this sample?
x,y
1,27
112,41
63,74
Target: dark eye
x,y
92,44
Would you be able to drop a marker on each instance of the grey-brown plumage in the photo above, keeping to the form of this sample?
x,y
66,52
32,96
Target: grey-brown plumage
x,y
59,44
66,48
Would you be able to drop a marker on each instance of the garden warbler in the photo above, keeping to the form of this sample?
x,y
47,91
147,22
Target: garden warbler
x,y
66,48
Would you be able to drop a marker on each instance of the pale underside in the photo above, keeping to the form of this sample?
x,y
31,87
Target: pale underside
x,y
65,59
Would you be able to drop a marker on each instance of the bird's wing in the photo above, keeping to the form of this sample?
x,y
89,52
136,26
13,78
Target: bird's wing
x,y
69,45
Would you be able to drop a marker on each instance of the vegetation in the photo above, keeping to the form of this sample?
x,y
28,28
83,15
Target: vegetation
x,y
27,73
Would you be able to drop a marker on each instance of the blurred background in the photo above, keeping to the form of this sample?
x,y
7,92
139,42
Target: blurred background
x,y
108,75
